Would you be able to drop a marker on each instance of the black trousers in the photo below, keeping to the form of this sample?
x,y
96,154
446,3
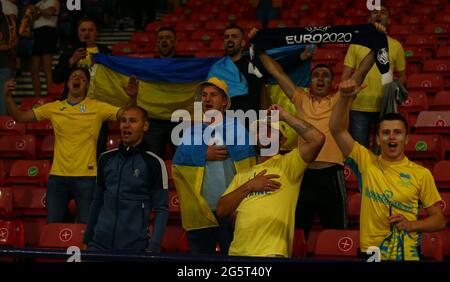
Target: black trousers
x,y
322,192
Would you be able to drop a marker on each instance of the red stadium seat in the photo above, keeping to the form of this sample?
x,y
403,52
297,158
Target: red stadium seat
x,y
172,18
200,17
113,127
217,26
6,202
445,235
281,23
201,35
172,239
425,40
40,128
440,65
433,122
113,142
337,244
443,52
187,27
217,45
299,244
442,18
350,179
440,30
8,126
174,204
154,26
45,151
18,146
430,83
12,234
416,102
402,30
415,19
328,56
29,200
425,10
432,246
29,103
143,37
189,47
62,235
124,49
422,146
54,90
417,54
441,174
441,101
29,172
354,207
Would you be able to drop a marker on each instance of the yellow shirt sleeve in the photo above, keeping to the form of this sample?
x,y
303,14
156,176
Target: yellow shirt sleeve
x,y
293,165
234,184
400,63
429,194
44,112
361,156
107,111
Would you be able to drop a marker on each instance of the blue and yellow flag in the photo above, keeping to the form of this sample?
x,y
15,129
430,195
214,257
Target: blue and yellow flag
x,y
189,167
165,85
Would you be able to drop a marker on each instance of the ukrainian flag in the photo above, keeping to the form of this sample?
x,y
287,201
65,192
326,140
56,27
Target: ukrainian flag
x,y
165,85
189,167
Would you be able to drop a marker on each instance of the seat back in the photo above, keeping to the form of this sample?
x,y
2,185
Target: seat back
x,y
332,243
62,235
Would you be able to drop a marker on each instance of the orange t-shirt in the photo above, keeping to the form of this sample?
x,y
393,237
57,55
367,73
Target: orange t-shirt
x,y
318,113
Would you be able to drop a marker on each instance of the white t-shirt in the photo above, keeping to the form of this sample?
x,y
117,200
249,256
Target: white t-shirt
x,y
9,8
51,21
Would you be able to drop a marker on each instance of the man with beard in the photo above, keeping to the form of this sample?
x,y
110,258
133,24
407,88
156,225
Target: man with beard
x,y
157,138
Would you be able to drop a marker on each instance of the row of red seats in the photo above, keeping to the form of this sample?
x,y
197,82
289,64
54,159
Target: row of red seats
x,y
327,244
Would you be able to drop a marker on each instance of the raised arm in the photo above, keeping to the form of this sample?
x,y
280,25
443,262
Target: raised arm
x,y
18,114
261,182
340,116
275,70
132,90
314,139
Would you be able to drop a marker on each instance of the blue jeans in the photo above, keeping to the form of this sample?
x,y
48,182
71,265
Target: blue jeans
x,y
5,74
203,241
361,124
61,189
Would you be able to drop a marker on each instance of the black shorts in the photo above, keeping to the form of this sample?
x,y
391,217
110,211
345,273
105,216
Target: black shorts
x,y
45,41
322,192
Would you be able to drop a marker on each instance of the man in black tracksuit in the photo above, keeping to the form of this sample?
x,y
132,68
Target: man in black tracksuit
x,y
130,183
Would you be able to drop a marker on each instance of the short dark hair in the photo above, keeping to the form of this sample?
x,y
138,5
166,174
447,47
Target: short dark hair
x,y
84,70
166,28
142,110
86,19
387,8
235,26
323,66
393,116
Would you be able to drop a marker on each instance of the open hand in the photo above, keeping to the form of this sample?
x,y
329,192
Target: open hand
x,y
10,86
263,182
132,88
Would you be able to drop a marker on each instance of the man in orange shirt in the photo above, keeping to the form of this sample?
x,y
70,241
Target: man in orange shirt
x,y
322,190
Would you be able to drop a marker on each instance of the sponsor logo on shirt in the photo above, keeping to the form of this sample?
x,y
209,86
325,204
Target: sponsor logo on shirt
x,y
387,199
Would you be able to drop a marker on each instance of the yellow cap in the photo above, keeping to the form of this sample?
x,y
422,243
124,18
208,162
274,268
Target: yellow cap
x,y
216,82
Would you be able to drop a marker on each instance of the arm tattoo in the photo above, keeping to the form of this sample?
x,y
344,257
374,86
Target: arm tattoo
x,y
302,127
